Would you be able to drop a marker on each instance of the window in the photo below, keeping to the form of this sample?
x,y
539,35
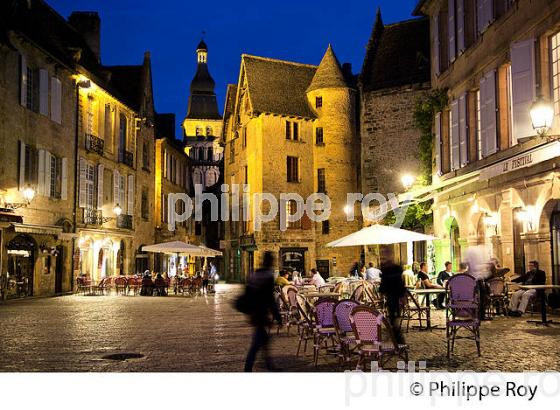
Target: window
x,y
55,177
321,183
122,192
325,227
89,115
318,102
292,130
30,88
90,186
478,127
199,131
244,136
291,209
145,209
288,130
163,208
122,134
246,172
295,133
319,136
293,169
30,177
208,131
555,62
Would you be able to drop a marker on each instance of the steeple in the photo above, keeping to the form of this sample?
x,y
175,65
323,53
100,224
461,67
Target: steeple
x,y
328,74
202,101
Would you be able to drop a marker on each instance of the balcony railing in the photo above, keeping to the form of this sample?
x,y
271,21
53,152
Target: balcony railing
x,y
93,217
127,158
124,221
94,144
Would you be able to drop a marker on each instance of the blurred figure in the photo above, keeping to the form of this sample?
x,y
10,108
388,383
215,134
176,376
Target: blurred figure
x,y
160,285
282,279
409,277
392,286
316,278
362,274
260,292
463,268
372,273
520,298
355,269
147,284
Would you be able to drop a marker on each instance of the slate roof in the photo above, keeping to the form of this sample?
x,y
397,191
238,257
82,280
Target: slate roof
x,y
397,54
328,74
277,86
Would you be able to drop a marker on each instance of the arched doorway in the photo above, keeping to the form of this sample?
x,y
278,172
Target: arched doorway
x,y
21,263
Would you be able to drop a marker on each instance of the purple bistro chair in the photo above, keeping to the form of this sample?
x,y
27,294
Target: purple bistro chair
x,y
293,316
343,328
374,337
462,310
324,326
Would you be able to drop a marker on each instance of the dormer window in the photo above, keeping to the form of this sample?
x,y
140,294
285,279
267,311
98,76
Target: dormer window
x,y
208,131
318,102
199,131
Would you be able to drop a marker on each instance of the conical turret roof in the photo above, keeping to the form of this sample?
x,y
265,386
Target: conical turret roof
x,y
328,74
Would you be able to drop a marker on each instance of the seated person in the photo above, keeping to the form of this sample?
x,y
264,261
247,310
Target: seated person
x,y
423,280
282,279
372,273
409,277
147,285
520,299
442,278
160,285
317,279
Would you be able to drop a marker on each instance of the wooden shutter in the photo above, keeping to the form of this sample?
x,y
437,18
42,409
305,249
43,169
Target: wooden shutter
x,y
437,129
21,165
56,100
463,131
47,183
523,87
451,29
131,195
43,92
100,180
488,113
460,24
82,192
116,187
23,80
41,172
435,45
454,135
64,179
484,14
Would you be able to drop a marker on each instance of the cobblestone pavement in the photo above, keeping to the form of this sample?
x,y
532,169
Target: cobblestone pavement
x,y
74,333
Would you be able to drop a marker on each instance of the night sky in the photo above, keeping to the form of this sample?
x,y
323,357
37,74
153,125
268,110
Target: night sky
x,y
288,29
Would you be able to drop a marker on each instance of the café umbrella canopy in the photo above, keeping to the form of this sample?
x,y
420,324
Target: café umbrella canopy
x,y
176,248
209,252
379,235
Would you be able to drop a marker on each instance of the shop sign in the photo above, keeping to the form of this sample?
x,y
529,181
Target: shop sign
x,y
524,160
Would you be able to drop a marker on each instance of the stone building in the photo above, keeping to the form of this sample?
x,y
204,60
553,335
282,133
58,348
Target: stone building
x,y
202,126
37,134
115,157
395,76
172,177
80,137
291,128
495,179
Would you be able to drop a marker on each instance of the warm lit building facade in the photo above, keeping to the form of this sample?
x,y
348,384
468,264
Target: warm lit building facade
x,y
291,128
495,179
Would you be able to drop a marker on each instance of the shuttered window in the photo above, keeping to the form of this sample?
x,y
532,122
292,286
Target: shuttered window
x,y
435,44
454,135
451,29
131,190
463,131
523,87
460,25
100,182
485,14
321,181
478,127
437,129
319,136
488,114
555,70
56,100
292,164
43,92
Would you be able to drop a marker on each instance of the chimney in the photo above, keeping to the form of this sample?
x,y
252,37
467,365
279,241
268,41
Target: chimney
x,y
88,24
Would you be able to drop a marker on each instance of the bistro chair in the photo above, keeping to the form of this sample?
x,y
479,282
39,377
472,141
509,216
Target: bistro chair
x,y
324,326
358,294
497,296
412,310
293,315
343,327
462,310
375,339
306,327
120,285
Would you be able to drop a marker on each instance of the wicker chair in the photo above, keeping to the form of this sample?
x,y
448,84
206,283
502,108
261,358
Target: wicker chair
x,y
411,310
497,296
306,328
324,326
343,327
462,310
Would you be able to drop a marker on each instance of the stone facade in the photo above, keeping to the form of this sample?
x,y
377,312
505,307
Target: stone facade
x,y
502,195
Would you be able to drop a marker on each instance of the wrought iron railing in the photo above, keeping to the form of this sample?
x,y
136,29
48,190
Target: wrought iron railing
x,y
124,221
93,217
94,144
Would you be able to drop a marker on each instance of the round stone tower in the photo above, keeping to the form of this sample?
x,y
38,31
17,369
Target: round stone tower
x,y
335,143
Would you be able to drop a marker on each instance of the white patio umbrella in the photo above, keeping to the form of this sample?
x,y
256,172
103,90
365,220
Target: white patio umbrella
x,y
174,248
379,235
209,252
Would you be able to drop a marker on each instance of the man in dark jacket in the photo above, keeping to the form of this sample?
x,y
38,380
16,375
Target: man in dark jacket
x,y
520,299
392,286
260,293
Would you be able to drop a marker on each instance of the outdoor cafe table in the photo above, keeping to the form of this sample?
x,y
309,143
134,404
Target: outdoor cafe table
x,y
427,293
541,290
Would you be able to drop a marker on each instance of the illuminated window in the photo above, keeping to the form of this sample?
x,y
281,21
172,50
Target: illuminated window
x,y
555,62
318,102
199,131
208,131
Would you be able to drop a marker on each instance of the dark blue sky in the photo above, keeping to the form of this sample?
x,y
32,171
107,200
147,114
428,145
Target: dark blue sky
x,y
288,29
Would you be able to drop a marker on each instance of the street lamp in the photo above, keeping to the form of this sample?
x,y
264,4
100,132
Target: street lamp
x,y
117,210
542,115
28,193
407,180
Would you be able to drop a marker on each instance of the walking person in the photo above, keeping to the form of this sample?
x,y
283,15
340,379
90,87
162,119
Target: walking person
x,y
260,298
392,286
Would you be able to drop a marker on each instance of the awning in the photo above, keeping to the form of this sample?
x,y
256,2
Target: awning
x,y
181,248
37,229
379,235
